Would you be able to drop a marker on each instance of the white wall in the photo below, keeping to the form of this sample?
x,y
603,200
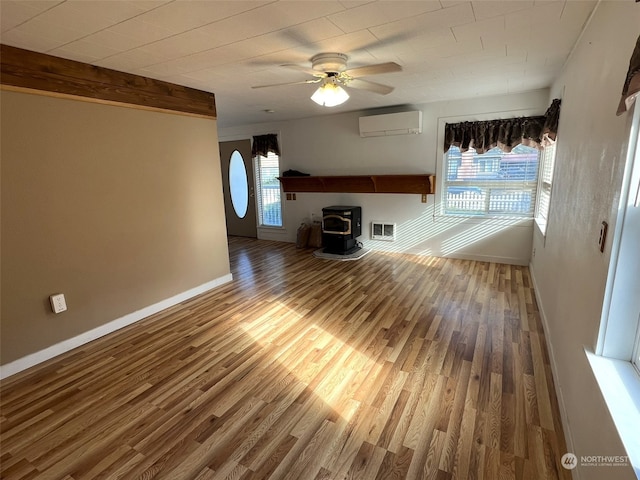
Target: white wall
x,y
569,271
331,145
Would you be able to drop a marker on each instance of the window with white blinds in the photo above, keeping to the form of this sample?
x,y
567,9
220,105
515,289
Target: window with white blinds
x,y
267,170
493,184
547,165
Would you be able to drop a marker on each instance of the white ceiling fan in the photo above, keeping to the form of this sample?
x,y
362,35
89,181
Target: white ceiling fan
x,y
330,70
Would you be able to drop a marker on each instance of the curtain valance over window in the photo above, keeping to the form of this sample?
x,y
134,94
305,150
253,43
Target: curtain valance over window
x,y
263,144
631,85
505,133
551,120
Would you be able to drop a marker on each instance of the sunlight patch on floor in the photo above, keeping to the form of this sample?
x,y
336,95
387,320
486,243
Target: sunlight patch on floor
x,y
311,353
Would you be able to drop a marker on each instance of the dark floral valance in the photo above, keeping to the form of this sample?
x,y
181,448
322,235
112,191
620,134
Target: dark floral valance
x,y
551,120
263,144
631,85
505,133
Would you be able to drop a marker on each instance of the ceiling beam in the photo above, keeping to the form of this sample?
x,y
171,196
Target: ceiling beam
x,y
24,70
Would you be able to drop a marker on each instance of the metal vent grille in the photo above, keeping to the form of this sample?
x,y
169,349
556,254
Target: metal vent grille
x,y
383,231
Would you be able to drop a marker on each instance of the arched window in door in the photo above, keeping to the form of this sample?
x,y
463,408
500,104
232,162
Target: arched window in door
x,y
238,184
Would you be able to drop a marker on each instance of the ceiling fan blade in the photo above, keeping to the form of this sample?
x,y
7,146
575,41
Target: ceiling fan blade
x,y
388,67
306,70
287,83
370,86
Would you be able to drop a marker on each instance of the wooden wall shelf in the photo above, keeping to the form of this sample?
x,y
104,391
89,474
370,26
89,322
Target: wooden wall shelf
x,y
422,184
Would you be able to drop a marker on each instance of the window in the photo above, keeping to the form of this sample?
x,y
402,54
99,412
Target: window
x,y
268,186
238,184
494,183
547,164
616,360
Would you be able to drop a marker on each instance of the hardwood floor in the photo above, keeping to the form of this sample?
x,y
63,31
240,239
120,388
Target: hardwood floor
x,y
389,367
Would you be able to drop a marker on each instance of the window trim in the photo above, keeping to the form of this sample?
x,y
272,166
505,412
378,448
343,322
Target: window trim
x,y
614,376
543,220
258,194
441,161
635,356
487,186
616,347
612,330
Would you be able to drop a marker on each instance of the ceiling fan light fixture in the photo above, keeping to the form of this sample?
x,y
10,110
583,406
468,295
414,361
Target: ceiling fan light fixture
x,y
330,94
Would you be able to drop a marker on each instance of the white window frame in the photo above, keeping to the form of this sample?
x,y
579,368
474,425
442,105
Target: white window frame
x,y
615,362
620,321
484,190
438,214
260,193
545,184
635,358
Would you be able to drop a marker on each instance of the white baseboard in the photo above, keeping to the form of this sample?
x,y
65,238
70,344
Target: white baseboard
x,y
33,359
554,372
274,234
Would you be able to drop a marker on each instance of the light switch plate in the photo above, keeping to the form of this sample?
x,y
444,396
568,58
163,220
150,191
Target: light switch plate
x,y
58,303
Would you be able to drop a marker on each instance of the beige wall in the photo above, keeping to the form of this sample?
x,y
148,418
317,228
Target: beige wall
x,y
115,207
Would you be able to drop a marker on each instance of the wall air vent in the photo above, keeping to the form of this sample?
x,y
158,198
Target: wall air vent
x,y
403,123
383,231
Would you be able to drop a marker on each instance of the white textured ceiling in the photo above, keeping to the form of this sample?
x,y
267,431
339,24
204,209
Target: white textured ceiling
x,y
448,49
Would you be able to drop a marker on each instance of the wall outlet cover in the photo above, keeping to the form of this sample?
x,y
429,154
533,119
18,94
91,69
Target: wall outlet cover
x,y
58,303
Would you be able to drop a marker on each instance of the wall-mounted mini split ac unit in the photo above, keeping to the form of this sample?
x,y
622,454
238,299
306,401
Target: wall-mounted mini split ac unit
x,y
383,231
403,123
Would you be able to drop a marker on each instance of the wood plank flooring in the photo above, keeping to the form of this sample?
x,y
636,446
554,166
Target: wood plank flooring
x,y
389,367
